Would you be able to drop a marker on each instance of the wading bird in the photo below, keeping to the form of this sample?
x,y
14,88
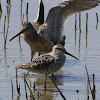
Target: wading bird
x,y
35,25
42,38
48,63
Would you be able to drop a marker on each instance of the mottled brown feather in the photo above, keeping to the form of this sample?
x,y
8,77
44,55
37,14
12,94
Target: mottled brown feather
x,y
40,63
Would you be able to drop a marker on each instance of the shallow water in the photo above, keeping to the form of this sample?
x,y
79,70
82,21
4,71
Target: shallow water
x,y
72,76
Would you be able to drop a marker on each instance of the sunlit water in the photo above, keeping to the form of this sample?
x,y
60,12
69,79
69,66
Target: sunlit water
x,y
72,77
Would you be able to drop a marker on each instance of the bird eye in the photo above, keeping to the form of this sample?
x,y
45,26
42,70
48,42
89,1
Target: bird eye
x,y
59,48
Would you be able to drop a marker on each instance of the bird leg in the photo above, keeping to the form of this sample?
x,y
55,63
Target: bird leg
x,y
32,54
27,73
39,54
53,76
45,83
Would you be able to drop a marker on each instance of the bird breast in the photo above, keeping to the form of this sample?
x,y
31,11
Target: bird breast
x,y
39,45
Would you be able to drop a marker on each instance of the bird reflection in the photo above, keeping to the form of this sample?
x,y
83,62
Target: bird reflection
x,y
49,94
39,91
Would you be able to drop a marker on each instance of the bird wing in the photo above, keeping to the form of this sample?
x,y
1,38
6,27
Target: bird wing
x,y
40,63
40,17
59,13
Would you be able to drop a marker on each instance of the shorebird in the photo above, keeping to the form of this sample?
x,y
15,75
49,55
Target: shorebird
x,y
35,25
42,38
48,63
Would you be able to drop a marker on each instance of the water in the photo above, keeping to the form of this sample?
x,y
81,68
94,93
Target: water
x,y
72,76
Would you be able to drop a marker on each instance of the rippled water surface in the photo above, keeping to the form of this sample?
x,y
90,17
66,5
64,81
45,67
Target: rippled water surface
x,y
72,77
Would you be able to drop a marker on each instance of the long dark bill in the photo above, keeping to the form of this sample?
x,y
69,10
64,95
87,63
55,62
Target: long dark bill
x,y
71,55
19,33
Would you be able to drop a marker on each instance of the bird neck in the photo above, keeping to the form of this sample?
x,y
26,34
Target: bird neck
x,y
32,36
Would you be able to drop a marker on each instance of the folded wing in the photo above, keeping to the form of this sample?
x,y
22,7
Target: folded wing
x,y
41,63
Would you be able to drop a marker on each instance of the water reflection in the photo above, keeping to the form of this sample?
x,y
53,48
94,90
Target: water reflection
x,y
49,94
18,98
86,28
5,56
27,17
39,81
87,46
80,32
79,43
8,12
86,43
21,54
75,36
86,34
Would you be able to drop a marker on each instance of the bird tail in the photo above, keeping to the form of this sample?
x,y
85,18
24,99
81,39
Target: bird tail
x,y
23,66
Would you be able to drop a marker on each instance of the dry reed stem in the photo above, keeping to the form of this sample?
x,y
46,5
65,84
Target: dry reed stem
x,y
28,87
25,87
75,21
8,3
27,8
94,90
80,22
4,32
0,7
5,40
53,80
18,87
89,82
86,21
34,85
97,17
12,88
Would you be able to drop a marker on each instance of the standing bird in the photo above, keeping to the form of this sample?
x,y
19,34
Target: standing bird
x,y
42,38
37,22
48,63
28,35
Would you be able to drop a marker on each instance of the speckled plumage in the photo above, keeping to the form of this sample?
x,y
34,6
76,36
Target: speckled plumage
x,y
47,63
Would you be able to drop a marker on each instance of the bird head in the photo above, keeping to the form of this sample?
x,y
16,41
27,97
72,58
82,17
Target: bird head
x,y
60,49
27,29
